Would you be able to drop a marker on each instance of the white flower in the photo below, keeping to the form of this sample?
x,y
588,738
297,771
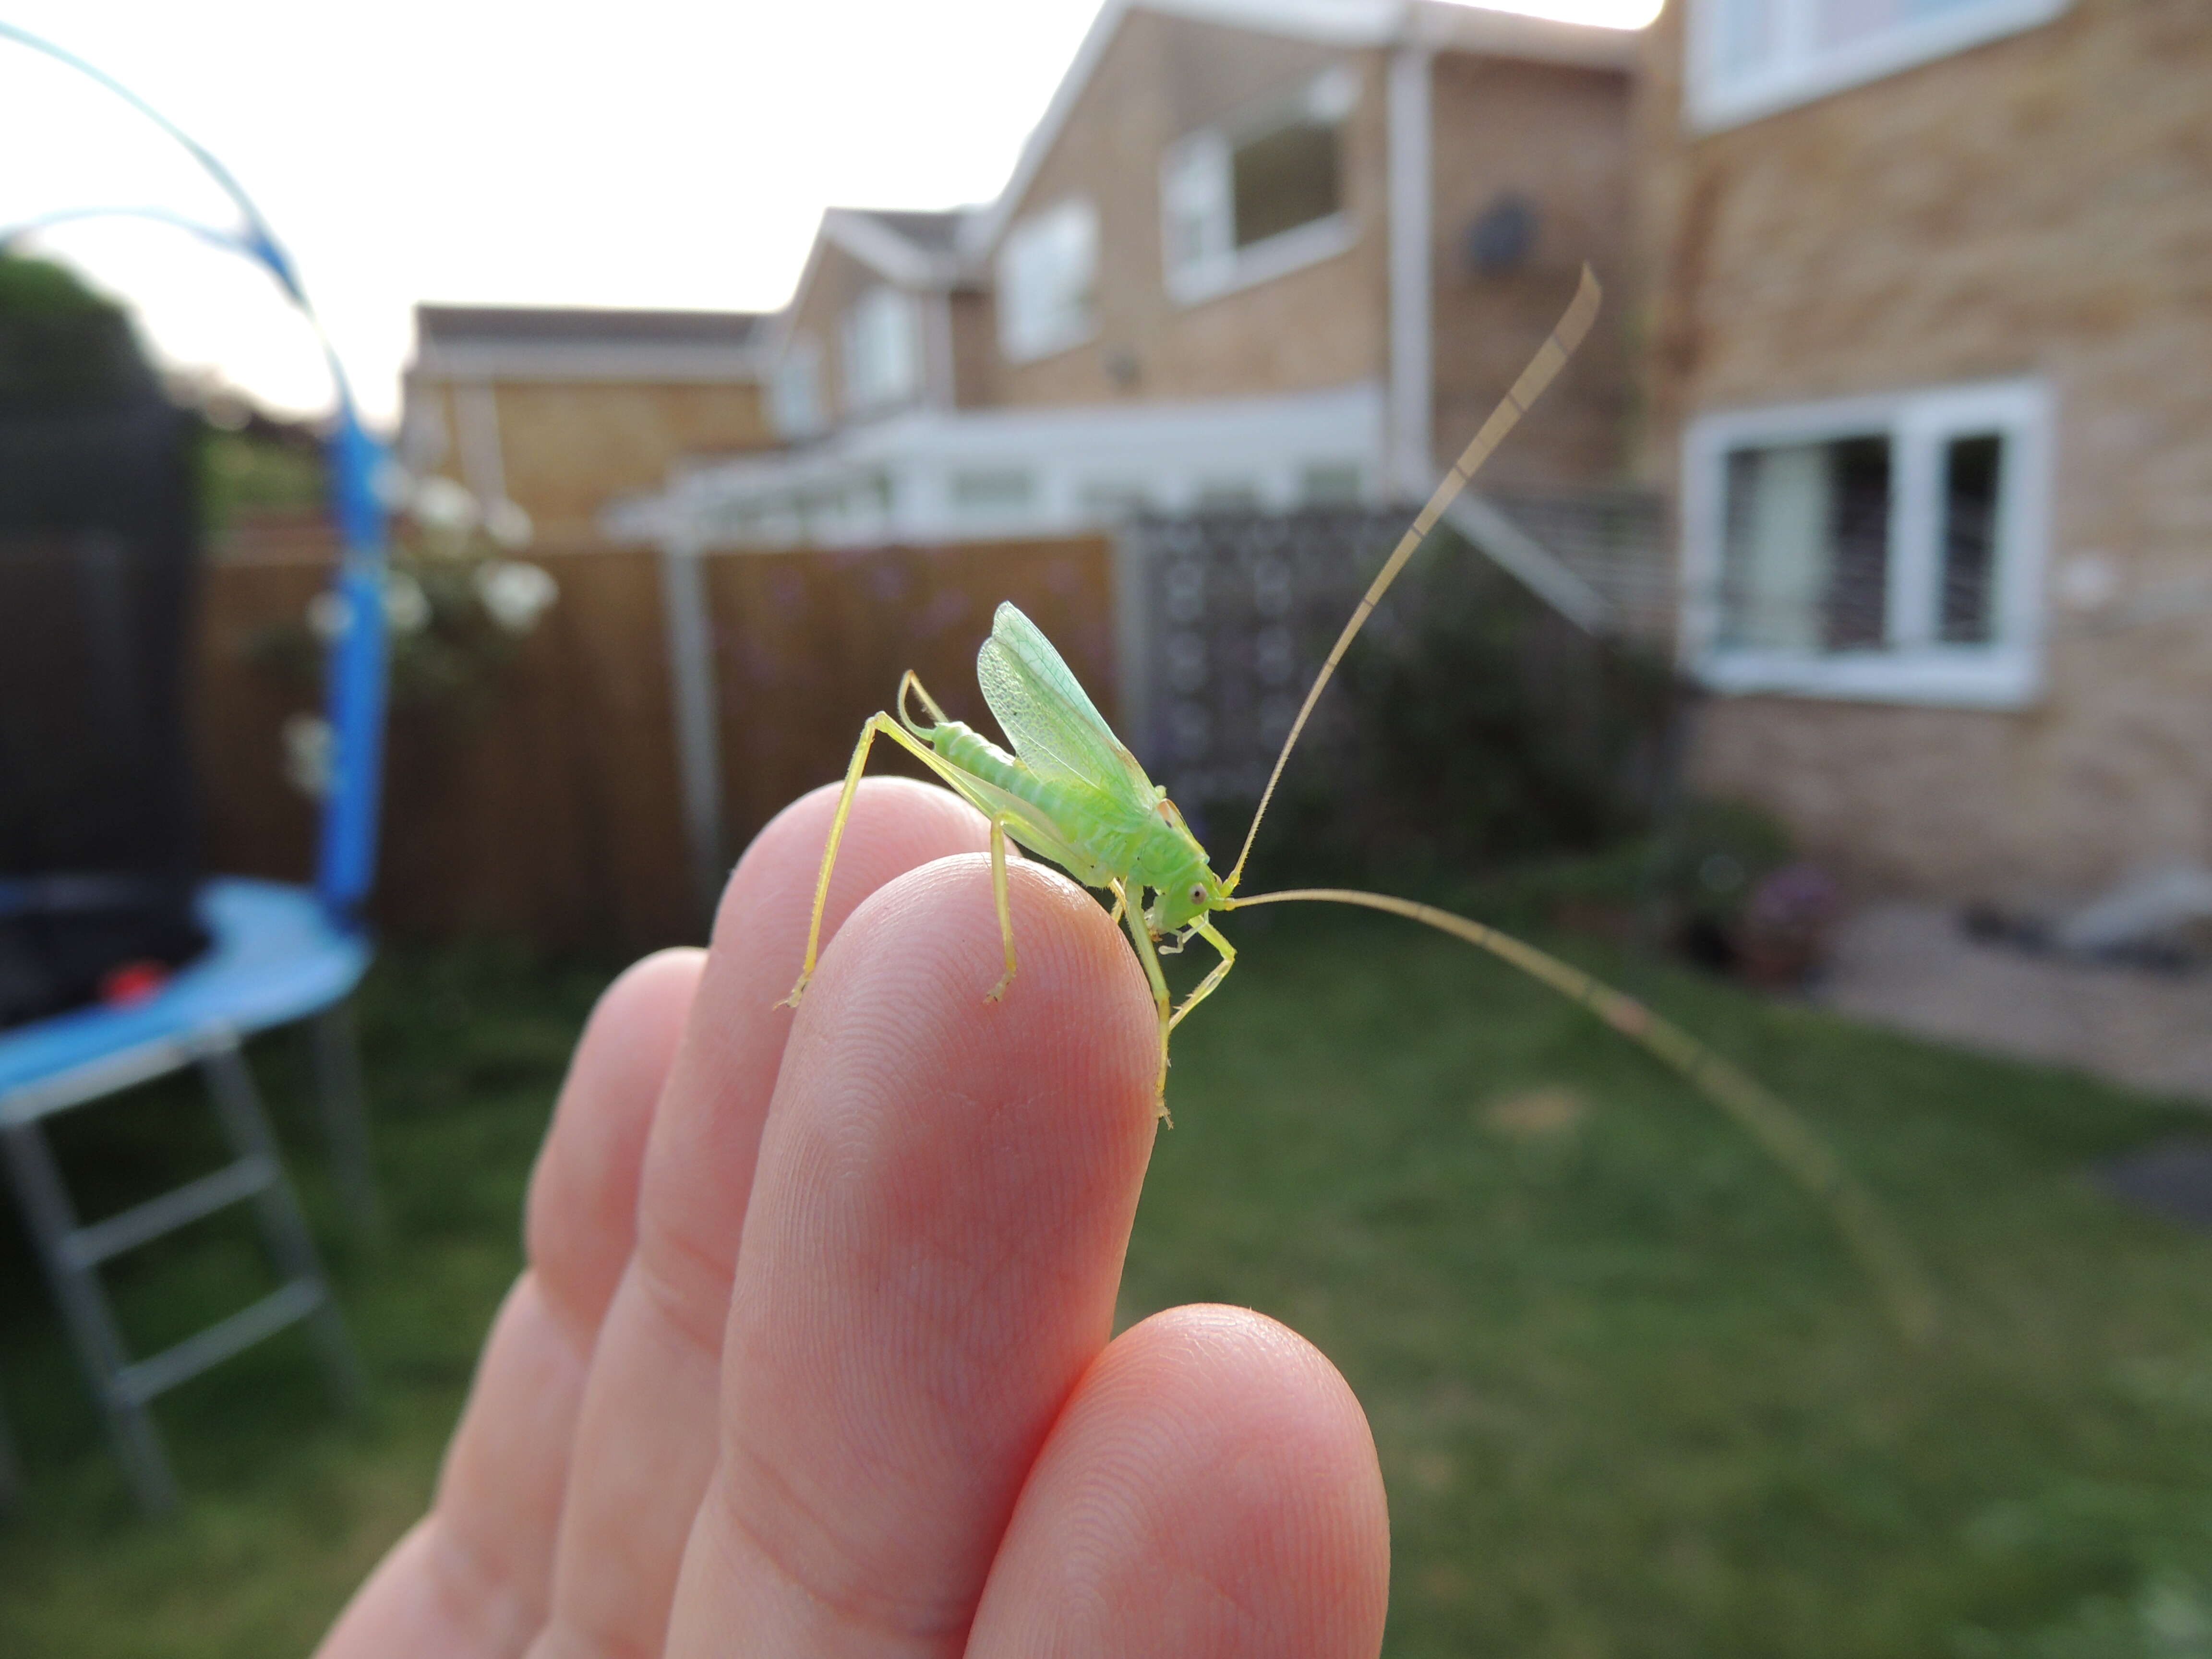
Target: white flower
x,y
406,606
327,615
508,524
515,594
440,504
310,751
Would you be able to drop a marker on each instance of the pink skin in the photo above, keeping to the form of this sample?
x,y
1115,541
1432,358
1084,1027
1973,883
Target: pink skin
x,y
812,1355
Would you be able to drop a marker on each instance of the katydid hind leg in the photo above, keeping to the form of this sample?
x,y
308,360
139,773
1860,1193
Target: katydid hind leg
x,y
1133,917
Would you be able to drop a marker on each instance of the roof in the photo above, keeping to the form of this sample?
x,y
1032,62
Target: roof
x,y
548,343
915,250
912,250
570,324
935,232
1434,24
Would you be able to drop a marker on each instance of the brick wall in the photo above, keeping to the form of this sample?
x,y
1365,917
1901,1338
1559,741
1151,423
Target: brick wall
x,y
1558,137
2039,206
1323,326
568,448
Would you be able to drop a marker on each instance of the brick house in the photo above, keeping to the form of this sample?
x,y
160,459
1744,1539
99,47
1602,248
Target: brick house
x,y
561,411
1258,251
1927,293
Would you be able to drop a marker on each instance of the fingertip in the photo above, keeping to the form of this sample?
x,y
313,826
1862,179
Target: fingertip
x,y
909,977
1211,1489
579,1219
895,823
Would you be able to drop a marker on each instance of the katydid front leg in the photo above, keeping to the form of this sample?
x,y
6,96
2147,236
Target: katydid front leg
x,y
1134,916
887,726
1212,935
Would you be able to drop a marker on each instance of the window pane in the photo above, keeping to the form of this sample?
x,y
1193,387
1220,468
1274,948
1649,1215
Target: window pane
x,y
1046,273
1857,600
1194,195
1329,484
796,393
883,349
1972,470
1226,496
1284,179
1805,563
1112,499
1744,34
1000,489
1842,22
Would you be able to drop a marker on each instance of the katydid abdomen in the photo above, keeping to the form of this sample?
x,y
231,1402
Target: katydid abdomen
x,y
1114,843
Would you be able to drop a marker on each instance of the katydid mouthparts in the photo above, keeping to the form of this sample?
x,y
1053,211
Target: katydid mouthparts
x,y
1071,791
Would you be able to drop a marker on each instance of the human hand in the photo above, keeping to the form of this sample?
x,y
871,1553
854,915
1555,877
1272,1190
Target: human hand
x,y
810,1356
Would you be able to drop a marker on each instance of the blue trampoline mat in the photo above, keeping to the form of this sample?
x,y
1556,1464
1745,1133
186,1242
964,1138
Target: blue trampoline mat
x,y
276,958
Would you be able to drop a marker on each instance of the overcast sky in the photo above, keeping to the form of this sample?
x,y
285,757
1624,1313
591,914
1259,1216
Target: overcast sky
x,y
649,154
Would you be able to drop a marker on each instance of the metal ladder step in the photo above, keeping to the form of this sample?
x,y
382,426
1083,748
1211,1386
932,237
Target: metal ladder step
x,y
288,1303
87,1246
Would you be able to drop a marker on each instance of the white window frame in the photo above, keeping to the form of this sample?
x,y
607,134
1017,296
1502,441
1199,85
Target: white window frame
x,y
1024,334
1197,183
874,308
1913,665
1799,69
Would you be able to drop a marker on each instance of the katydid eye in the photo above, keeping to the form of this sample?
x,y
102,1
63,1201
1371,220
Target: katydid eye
x,y
1197,894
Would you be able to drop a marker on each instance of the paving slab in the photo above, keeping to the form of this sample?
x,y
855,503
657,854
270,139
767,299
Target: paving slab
x,y
1913,967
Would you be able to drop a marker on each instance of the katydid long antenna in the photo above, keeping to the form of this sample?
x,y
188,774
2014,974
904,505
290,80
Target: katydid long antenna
x,y
1551,357
1769,1121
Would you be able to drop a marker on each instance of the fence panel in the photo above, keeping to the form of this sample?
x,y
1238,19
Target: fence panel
x,y
810,644
545,809
550,809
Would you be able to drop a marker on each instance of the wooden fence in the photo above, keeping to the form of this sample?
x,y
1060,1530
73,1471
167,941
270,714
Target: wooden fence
x,y
551,809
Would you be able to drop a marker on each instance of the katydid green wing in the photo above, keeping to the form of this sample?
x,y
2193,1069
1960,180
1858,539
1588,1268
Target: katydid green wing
x,y
1049,719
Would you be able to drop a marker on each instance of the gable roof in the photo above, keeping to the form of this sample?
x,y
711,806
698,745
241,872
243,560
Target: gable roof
x,y
1438,25
933,231
915,250
912,250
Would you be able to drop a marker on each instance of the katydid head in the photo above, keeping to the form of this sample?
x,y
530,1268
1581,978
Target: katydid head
x,y
1188,894
1175,867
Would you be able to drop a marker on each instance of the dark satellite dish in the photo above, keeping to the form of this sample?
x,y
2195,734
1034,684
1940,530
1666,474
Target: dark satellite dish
x,y
1503,235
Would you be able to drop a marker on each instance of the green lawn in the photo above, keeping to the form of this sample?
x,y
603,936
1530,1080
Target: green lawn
x,y
1632,1397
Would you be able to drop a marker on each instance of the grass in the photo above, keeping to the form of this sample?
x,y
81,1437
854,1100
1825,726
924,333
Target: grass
x,y
1631,1398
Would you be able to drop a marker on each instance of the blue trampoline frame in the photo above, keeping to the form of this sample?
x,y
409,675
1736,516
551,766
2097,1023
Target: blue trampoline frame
x,y
280,954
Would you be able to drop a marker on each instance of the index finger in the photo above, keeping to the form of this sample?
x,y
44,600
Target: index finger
x,y
646,1432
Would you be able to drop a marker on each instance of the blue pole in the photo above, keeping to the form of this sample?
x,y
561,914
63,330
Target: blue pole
x,y
355,692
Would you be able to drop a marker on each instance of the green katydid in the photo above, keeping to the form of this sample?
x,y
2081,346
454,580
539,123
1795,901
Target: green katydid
x,y
1072,792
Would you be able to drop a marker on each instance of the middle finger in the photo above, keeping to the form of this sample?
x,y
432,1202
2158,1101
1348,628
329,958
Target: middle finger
x,y
945,1196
